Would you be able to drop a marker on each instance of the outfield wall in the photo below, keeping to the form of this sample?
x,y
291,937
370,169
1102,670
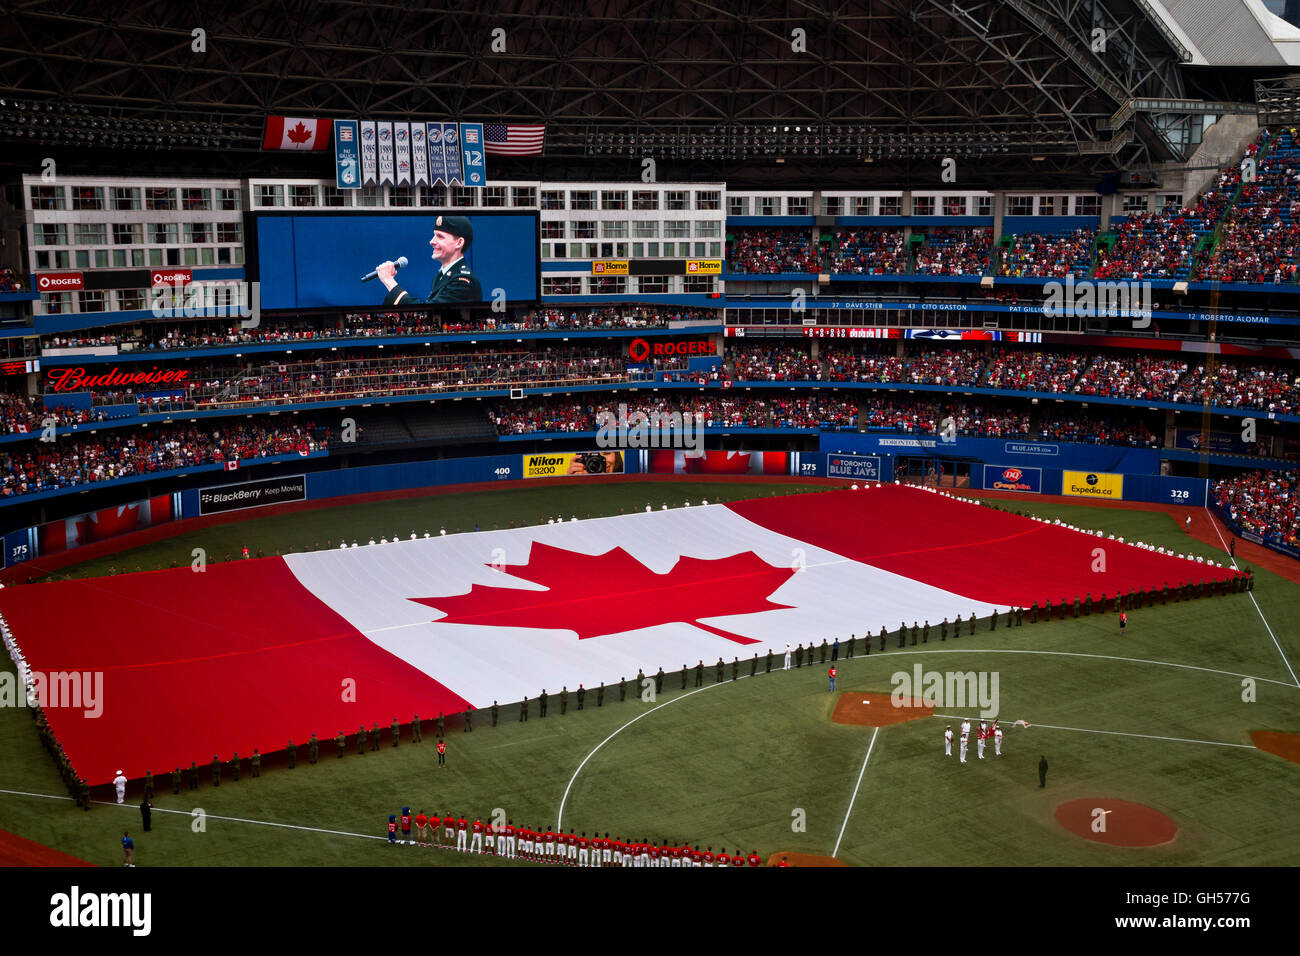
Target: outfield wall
x,y
1267,541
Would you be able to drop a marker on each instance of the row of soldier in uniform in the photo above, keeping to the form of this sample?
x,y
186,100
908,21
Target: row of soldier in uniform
x,y
550,846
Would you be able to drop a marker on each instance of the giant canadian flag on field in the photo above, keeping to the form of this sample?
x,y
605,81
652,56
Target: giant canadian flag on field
x,y
254,653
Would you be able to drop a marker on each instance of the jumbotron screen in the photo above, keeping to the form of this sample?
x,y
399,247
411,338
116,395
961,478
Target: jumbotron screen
x,y
318,261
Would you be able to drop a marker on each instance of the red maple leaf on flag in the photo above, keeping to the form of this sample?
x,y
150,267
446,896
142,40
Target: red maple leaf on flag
x,y
298,134
613,592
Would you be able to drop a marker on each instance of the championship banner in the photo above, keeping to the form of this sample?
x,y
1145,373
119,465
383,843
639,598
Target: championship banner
x,y
1013,478
437,156
471,137
419,154
347,155
384,133
451,153
402,150
552,465
369,153
1091,484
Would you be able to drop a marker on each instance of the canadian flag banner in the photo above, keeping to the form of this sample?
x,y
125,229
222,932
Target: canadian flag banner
x,y
437,624
292,132
232,465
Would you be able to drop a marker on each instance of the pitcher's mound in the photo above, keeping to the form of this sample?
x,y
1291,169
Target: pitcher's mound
x,y
877,710
1286,746
1127,824
803,859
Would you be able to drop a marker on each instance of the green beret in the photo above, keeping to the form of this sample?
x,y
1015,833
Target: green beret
x,y
456,226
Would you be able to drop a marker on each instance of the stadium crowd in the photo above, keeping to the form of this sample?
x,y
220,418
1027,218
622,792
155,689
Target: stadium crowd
x,y
167,335
869,252
21,414
1052,255
955,252
78,461
771,250
1265,503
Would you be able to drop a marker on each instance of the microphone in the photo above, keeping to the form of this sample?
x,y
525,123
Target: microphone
x,y
400,262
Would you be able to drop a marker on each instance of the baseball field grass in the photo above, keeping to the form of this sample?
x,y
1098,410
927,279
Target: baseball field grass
x,y
1161,716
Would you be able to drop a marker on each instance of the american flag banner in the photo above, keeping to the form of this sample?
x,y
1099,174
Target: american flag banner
x,y
512,139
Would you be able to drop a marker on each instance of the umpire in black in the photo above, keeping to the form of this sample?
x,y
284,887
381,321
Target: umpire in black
x,y
454,282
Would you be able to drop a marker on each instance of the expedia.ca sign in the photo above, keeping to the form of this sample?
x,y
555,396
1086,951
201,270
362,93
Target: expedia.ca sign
x,y
648,350
1092,484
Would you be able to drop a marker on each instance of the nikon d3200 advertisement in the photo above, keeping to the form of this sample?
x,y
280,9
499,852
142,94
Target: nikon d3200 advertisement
x,y
553,465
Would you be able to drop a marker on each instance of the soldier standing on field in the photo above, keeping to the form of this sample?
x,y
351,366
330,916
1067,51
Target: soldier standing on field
x,y
659,681
718,676
902,633
523,710
640,680
798,656
542,703
600,694
469,721
753,665
313,748
293,755
622,689
342,743
769,661
374,736
972,622
416,736
494,713
176,781
853,639
914,632
397,732
194,775
564,700
683,677
883,635
582,695
699,672
925,634
216,770
234,766
442,724
257,764
943,630
361,740
735,667
824,648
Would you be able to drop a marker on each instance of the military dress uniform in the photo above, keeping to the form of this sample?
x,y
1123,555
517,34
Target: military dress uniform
x,y
313,749
257,764
453,284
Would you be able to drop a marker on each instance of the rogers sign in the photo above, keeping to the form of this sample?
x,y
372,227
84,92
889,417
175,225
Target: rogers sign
x,y
58,281
174,277
640,350
76,379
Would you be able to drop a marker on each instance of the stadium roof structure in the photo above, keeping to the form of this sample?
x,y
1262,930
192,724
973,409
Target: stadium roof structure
x,y
767,92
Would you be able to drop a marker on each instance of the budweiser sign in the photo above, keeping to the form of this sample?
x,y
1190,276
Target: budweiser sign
x,y
76,379
58,281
